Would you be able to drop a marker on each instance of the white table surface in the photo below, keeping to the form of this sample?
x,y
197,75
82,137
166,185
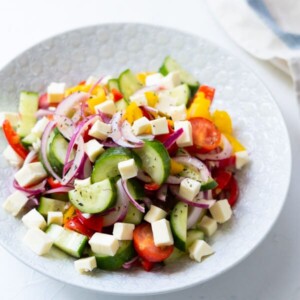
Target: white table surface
x,y
272,271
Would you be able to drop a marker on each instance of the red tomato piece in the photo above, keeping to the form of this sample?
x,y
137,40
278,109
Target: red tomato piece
x,y
13,139
232,191
208,91
75,225
94,222
222,177
151,186
205,134
117,95
147,265
53,183
144,244
43,101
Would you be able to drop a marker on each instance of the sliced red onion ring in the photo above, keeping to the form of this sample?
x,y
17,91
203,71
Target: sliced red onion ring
x,y
131,199
95,84
109,144
174,179
30,157
143,177
31,191
65,126
171,140
151,88
44,145
105,118
147,202
86,168
153,111
131,263
43,112
128,135
162,193
121,207
61,189
67,167
222,163
225,153
194,215
197,202
195,163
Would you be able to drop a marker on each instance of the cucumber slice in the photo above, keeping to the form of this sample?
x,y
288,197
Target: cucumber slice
x,y
113,84
94,198
133,216
155,160
128,83
176,254
28,104
178,222
192,236
68,241
170,65
48,204
106,166
135,188
25,125
209,185
121,105
125,253
29,139
180,93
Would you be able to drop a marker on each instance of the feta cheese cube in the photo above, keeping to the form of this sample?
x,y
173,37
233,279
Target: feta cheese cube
x,y
127,168
221,211
56,92
154,214
37,145
106,79
38,241
141,125
186,139
241,159
12,117
154,79
178,113
162,234
93,149
189,188
107,107
12,157
123,231
199,249
100,130
15,202
55,217
82,182
33,219
30,174
103,243
159,126
139,99
171,80
91,80
40,126
87,264
208,225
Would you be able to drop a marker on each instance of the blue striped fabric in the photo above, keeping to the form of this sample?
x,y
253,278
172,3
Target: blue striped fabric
x,y
291,40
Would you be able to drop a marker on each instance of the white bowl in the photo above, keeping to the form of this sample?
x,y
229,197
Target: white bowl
x,y
109,49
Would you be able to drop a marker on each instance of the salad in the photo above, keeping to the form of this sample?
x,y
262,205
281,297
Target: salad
x,y
121,172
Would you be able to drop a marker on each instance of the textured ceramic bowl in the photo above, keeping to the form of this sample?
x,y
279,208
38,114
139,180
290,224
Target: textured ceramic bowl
x,y
109,49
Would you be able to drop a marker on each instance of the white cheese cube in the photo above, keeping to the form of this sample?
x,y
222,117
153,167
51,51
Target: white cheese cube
x,y
141,125
87,264
82,182
38,241
186,139
165,101
139,99
171,80
37,145
127,168
93,149
221,211
241,159
208,225
178,113
154,79
15,202
100,130
189,188
154,214
106,79
33,219
123,231
12,157
107,107
12,117
159,126
56,92
91,80
55,217
162,233
30,174
200,249
104,244
40,126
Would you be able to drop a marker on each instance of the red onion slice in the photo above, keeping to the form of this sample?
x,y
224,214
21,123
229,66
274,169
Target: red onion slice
x,y
105,118
61,189
222,163
95,84
85,170
131,199
65,126
131,263
43,113
194,215
128,135
174,179
33,190
197,201
109,144
30,157
121,207
162,193
143,177
171,140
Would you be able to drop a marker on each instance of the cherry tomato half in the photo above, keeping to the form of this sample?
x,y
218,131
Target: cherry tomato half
x,y
144,244
94,222
151,186
232,191
205,134
117,95
147,265
75,225
53,183
222,177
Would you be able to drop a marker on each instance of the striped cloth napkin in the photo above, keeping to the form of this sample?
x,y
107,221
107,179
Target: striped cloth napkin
x,y
267,29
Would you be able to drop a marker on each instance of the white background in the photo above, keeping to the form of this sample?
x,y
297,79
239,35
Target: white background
x,y
272,271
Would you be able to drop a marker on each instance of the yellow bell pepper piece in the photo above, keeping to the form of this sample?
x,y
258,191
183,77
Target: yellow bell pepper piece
x,y
77,88
133,112
96,99
236,145
176,167
141,77
69,213
223,121
152,98
200,108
